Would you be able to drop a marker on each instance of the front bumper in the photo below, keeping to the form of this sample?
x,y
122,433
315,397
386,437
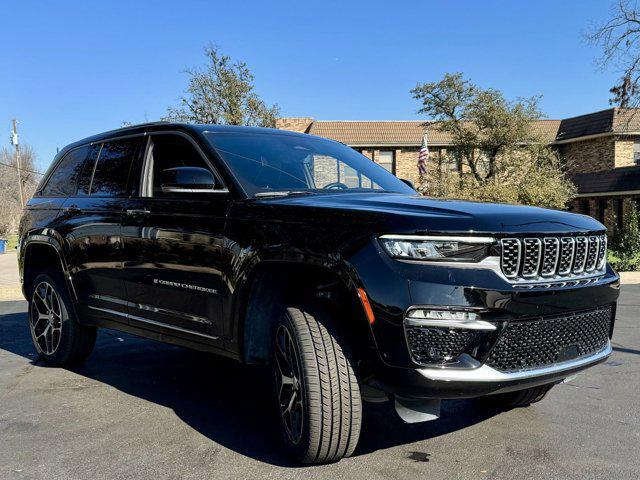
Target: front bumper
x,y
395,287
448,383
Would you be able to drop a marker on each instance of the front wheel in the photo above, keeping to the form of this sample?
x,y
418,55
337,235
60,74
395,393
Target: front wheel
x,y
316,389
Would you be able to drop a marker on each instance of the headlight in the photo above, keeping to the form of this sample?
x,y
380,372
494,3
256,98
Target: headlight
x,y
436,248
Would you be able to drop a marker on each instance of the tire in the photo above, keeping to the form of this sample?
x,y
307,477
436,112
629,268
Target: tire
x,y
323,422
56,334
520,398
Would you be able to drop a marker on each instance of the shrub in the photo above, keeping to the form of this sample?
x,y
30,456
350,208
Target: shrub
x,y
624,252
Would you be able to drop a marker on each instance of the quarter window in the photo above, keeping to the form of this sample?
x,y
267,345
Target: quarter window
x,y
63,180
112,168
385,160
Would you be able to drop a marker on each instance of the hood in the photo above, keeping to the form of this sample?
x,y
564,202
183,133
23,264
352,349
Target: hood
x,y
415,213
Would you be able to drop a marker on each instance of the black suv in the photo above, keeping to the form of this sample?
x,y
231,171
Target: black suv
x,y
298,252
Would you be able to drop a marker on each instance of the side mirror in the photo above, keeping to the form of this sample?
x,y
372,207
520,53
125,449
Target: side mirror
x,y
188,180
408,182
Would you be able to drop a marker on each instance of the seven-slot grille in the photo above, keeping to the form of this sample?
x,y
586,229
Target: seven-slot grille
x,y
534,258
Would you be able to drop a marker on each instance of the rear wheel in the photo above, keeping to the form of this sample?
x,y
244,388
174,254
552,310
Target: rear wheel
x,y
59,339
316,389
520,398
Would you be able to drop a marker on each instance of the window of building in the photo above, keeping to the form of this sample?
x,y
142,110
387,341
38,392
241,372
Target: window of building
x,y
636,152
386,160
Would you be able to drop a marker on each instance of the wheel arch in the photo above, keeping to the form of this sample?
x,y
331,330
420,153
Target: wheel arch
x,y
38,253
272,285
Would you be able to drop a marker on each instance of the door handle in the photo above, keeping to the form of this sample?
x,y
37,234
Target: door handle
x,y
138,212
71,209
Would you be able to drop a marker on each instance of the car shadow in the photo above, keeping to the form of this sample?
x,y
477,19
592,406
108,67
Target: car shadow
x,y
226,402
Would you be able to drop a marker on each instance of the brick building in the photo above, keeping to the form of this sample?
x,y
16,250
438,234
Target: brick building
x,y
602,152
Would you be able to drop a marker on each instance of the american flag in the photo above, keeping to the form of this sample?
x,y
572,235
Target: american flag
x,y
423,156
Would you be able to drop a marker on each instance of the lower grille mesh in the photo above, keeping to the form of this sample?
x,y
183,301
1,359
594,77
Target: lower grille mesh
x,y
438,345
538,343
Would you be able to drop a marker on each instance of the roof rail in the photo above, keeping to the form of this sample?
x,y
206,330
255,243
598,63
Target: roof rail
x,y
137,125
145,124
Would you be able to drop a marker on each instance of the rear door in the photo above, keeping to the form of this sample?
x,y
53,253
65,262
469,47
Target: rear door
x,y
93,222
173,246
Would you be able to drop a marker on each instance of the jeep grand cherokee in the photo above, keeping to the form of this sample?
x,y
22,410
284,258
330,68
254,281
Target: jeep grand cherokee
x,y
298,252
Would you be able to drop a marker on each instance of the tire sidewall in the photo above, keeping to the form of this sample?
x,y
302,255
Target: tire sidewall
x,y
69,326
298,449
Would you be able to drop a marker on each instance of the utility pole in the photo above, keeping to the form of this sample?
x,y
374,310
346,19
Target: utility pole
x,y
14,142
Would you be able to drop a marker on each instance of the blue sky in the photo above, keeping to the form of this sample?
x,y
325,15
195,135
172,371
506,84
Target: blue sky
x,y
73,68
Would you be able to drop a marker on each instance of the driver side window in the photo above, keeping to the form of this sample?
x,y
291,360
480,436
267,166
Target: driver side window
x,y
167,151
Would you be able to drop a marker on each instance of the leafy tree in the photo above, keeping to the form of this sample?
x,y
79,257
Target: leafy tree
x,y
619,38
496,154
222,93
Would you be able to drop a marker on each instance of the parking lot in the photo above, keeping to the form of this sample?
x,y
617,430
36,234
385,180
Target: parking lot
x,y
142,409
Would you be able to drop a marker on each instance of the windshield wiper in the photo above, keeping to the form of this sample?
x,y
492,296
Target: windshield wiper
x,y
284,193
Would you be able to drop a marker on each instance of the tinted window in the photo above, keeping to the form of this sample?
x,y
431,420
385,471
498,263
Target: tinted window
x,y
112,168
62,182
263,163
84,181
169,151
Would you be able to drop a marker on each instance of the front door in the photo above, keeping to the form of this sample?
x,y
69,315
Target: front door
x,y
173,244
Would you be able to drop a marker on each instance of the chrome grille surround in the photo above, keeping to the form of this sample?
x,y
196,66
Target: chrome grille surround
x,y
550,256
544,258
510,261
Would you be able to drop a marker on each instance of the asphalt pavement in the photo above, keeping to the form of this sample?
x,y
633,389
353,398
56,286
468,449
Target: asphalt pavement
x,y
139,409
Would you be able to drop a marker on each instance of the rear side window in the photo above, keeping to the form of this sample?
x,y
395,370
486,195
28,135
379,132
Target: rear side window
x,y
112,168
63,180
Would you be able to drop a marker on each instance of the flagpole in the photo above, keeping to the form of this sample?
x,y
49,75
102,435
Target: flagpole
x,y
423,158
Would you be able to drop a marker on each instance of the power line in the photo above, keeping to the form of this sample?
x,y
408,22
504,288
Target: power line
x,y
22,169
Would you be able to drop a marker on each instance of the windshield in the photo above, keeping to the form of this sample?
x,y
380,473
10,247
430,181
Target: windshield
x,y
270,162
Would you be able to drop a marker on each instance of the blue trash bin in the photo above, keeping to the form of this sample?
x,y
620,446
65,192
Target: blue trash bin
x,y
3,246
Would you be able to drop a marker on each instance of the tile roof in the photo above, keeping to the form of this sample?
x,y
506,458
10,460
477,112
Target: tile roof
x,y
617,180
401,133
370,133
612,120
